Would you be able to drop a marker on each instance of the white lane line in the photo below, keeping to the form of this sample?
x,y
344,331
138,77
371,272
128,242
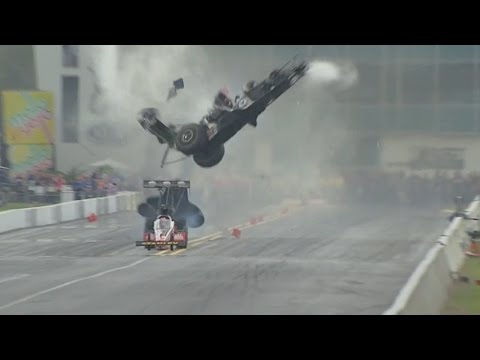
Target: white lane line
x,y
69,240
26,298
44,240
16,277
69,226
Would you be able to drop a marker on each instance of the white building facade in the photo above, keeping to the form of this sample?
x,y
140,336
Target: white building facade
x,y
84,134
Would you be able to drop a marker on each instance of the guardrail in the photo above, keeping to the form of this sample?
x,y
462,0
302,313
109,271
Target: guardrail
x,y
68,211
426,291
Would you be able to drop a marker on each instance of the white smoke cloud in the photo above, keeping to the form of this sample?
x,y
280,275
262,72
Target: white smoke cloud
x,y
325,73
142,77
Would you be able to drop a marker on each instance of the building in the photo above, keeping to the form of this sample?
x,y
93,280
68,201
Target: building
x,y
413,106
84,133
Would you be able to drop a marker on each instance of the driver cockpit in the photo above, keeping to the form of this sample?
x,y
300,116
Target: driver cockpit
x,y
163,223
222,100
221,103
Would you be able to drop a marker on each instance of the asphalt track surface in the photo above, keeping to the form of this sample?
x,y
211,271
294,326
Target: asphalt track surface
x,y
313,260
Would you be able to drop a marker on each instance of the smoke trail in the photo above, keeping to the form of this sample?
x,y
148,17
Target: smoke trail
x,y
324,73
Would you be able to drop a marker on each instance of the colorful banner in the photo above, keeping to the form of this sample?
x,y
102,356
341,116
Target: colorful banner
x,y
28,117
26,158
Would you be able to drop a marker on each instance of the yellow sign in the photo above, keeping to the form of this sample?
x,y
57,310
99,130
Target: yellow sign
x,y
28,118
30,158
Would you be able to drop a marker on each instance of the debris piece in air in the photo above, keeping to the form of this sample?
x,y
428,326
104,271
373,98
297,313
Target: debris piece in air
x,y
177,85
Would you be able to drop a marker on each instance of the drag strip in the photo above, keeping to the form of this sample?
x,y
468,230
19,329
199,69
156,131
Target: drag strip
x,y
319,260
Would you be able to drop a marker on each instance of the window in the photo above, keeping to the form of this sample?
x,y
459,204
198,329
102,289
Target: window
x,y
367,88
390,118
70,55
465,53
361,152
70,111
17,67
476,95
392,53
372,118
417,83
363,53
389,83
329,51
330,116
455,118
366,118
416,52
367,152
456,83
415,118
476,123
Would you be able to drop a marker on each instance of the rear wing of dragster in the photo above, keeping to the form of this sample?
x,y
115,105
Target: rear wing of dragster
x,y
166,184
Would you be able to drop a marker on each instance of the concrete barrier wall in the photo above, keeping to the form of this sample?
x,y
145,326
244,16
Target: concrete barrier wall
x,y
13,219
68,211
47,215
102,206
121,202
112,205
426,291
90,207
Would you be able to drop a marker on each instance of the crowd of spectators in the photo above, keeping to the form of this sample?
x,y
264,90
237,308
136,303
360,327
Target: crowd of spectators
x,y
47,187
